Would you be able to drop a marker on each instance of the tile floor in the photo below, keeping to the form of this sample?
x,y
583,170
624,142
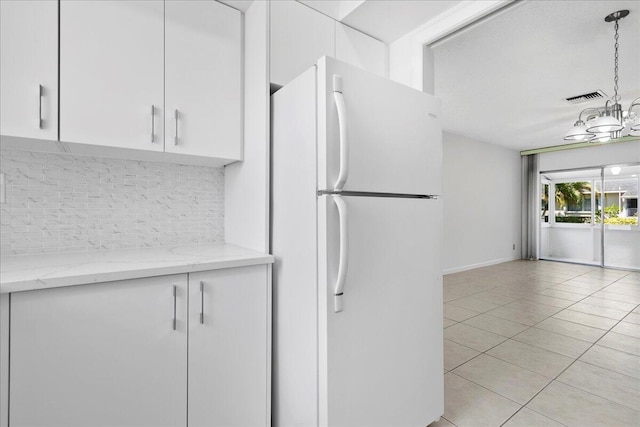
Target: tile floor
x,y
539,343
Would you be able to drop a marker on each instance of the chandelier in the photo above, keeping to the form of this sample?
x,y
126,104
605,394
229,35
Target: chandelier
x,y
606,123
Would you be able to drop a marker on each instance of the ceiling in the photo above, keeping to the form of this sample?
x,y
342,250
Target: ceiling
x,y
373,16
241,5
388,20
504,80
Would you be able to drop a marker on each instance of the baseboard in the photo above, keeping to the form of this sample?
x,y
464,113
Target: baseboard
x,y
478,265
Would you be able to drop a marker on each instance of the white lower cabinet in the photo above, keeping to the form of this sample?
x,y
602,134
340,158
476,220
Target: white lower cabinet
x,y
100,355
228,348
138,352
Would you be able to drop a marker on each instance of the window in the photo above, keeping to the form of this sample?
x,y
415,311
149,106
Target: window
x,y
620,201
573,202
544,203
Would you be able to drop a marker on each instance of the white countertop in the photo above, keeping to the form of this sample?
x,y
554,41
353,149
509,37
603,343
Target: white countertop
x,y
29,272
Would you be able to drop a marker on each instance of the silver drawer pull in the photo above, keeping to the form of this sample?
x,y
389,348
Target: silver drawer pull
x,y
175,139
175,291
201,302
153,123
40,96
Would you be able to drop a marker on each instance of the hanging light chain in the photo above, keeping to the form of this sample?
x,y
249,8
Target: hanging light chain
x,y
616,98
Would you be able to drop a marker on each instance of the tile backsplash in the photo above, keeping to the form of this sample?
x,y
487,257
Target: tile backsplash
x,y
66,203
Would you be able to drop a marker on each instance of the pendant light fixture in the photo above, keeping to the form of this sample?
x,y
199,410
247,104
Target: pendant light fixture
x,y
604,124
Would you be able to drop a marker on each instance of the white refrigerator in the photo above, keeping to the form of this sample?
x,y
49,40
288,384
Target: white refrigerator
x,y
356,232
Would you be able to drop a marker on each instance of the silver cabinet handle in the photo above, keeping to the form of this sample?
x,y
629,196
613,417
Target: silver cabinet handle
x,y
201,303
40,95
175,291
153,123
175,139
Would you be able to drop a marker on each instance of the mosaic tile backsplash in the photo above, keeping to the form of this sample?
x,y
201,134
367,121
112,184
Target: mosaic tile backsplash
x,y
65,203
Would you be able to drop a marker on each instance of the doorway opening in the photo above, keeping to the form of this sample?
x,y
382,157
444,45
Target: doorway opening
x,y
590,216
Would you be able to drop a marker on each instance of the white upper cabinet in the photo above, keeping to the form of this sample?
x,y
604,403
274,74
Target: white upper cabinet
x,y
29,69
112,73
361,50
203,72
299,36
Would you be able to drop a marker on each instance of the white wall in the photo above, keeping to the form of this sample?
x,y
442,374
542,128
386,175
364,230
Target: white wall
x,y
481,195
247,182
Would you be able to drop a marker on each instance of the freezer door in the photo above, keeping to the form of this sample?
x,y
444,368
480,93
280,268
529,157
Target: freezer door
x,y
391,139
380,356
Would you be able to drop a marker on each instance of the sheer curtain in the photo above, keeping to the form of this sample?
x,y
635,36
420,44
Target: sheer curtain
x,y
530,201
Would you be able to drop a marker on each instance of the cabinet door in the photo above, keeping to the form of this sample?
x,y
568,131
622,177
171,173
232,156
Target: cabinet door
x,y
111,73
228,347
361,50
29,69
299,36
100,355
203,41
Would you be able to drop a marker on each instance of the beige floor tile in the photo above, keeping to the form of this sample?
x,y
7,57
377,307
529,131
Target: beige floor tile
x,y
458,313
602,382
503,327
611,313
621,342
448,322
617,297
551,341
624,289
574,407
574,289
555,302
474,338
456,291
536,359
495,297
627,329
630,280
468,404
534,307
633,318
474,303
528,418
586,319
589,284
529,286
613,360
442,423
511,292
456,354
606,274
571,329
506,379
562,294
603,302
516,315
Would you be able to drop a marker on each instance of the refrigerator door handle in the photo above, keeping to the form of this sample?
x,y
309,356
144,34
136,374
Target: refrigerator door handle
x,y
342,124
343,263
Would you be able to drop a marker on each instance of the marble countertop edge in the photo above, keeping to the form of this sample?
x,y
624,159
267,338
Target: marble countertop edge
x,y
31,272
